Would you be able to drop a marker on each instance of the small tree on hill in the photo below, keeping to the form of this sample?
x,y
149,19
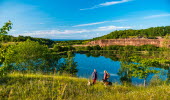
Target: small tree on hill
x,y
4,30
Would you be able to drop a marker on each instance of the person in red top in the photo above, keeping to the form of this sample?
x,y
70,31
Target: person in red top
x,y
105,76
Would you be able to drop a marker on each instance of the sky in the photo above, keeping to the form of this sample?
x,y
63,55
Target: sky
x,y
81,19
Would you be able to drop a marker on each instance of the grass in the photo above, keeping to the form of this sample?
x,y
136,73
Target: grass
x,y
9,43
17,86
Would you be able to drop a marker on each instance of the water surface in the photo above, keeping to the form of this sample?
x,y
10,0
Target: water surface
x,y
86,65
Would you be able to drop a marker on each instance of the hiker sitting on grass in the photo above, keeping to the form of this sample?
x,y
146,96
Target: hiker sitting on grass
x,y
94,76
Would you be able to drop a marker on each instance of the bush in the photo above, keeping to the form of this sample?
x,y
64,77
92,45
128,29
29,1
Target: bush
x,y
155,81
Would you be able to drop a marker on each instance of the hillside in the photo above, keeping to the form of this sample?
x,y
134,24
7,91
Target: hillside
x,y
18,86
12,39
152,32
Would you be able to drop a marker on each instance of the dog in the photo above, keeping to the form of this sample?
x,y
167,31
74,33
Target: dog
x,y
106,83
89,83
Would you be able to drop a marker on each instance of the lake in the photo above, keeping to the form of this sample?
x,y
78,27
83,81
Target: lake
x,y
86,65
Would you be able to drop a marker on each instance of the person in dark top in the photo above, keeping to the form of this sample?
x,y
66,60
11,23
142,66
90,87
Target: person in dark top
x,y
94,76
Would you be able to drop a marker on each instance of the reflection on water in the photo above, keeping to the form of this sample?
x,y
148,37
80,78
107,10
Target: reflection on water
x,y
86,65
113,64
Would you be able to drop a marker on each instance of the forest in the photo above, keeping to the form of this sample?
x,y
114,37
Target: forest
x,y
151,33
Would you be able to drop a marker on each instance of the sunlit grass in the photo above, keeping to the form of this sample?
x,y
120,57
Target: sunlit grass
x,y
17,86
9,43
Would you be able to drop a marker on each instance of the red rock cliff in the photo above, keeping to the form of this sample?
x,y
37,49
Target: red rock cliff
x,y
134,42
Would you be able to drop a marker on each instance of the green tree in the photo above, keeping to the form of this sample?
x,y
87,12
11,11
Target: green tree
x,y
26,56
144,67
69,65
4,30
51,62
57,48
125,73
89,48
97,47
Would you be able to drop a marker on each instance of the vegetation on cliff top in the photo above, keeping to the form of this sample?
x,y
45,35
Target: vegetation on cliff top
x,y
152,32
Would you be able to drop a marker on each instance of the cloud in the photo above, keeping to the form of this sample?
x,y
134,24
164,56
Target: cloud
x,y
113,2
156,16
53,32
107,4
108,28
50,33
89,24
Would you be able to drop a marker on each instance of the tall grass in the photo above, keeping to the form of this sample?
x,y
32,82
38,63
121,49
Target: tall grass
x,y
18,86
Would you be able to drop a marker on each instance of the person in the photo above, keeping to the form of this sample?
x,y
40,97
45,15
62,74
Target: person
x,y
94,76
106,76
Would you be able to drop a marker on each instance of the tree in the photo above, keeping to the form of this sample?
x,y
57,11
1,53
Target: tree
x,y
69,65
4,30
89,48
57,48
97,47
125,73
144,67
26,56
141,71
51,62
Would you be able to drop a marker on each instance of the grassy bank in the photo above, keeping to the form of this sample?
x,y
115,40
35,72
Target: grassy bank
x,y
18,86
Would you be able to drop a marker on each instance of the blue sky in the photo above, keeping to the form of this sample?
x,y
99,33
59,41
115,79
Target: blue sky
x,y
81,19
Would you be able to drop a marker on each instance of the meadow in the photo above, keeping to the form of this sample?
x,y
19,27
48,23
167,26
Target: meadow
x,y
37,86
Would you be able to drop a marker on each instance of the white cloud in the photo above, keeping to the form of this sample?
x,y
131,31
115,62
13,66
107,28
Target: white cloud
x,y
89,24
50,33
53,32
119,20
107,4
113,2
156,16
108,28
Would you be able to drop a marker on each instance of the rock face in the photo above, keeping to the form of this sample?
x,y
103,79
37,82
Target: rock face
x,y
133,42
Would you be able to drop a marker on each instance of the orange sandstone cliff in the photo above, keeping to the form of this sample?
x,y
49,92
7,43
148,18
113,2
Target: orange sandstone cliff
x,y
133,42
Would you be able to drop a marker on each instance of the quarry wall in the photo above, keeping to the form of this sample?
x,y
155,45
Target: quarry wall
x,y
133,42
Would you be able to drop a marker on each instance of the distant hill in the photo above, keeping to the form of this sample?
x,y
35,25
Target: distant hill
x,y
66,39
9,38
152,32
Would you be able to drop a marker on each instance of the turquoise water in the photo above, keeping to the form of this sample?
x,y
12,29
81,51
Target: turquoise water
x,y
86,65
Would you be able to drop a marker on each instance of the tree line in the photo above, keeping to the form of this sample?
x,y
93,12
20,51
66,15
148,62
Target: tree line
x,y
118,48
9,38
152,33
